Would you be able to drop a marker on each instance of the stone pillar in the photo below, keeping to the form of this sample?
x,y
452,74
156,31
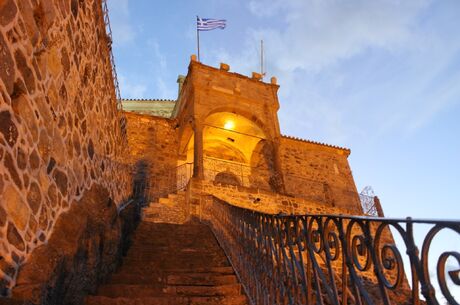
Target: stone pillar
x,y
198,169
180,82
278,171
378,207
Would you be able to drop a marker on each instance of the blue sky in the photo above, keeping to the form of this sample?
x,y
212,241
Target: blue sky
x,y
379,77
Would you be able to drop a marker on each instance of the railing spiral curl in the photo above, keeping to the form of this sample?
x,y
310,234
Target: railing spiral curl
x,y
330,259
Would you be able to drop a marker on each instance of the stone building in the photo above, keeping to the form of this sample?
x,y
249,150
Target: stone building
x,y
223,133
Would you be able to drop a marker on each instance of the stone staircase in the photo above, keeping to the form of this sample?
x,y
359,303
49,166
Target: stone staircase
x,y
170,209
172,264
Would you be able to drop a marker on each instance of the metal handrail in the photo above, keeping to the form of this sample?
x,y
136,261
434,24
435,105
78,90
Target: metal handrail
x,y
331,259
250,176
324,192
172,180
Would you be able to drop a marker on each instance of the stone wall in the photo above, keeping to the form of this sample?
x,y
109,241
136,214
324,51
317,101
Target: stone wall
x,y
85,248
153,142
258,200
319,172
59,125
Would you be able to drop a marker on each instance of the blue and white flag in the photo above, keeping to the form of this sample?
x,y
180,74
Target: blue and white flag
x,y
208,24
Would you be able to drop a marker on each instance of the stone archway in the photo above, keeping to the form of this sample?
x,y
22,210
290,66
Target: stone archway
x,y
227,177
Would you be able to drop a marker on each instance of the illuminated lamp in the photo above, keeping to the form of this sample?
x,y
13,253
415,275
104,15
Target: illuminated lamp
x,y
229,125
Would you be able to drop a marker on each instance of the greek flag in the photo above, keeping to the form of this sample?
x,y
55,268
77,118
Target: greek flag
x,y
207,24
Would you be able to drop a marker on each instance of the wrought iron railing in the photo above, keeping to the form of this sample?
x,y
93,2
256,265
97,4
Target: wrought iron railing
x,y
172,180
328,259
259,177
243,174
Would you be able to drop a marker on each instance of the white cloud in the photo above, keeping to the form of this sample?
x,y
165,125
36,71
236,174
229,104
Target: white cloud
x,y
160,58
122,29
130,89
320,33
164,90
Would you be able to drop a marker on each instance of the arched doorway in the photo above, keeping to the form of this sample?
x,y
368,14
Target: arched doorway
x,y
234,144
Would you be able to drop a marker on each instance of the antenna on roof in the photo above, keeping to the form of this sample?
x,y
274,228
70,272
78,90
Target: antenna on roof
x,y
262,59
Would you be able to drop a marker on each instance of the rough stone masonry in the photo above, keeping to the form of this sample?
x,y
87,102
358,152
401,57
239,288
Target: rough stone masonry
x,y
59,126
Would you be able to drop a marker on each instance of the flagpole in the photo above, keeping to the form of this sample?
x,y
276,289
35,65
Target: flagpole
x,y
198,39
262,58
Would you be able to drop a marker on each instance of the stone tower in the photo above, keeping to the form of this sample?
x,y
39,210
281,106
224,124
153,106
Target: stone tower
x,y
223,132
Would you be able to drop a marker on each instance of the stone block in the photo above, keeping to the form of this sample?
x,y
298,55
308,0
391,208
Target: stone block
x,y
8,128
7,68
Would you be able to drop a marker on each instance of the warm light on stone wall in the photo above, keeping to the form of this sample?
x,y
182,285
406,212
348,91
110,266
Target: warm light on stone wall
x,y
59,127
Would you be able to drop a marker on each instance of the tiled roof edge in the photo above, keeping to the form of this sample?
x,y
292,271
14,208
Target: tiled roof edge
x,y
316,143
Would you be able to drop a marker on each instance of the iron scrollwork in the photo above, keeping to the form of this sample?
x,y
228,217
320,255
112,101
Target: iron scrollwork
x,y
330,259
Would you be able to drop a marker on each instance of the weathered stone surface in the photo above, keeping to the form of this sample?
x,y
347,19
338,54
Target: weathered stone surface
x,y
22,108
8,11
2,216
15,238
44,15
43,219
57,271
7,71
34,197
7,267
16,207
26,11
9,164
90,149
44,145
74,8
21,159
52,194
65,61
2,184
34,160
61,181
8,128
26,71
50,56
51,165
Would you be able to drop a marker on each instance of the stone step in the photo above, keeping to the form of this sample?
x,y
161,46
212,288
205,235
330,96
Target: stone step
x,y
177,228
124,290
190,245
146,229
163,200
179,196
202,279
162,256
219,300
164,206
138,270
153,252
171,264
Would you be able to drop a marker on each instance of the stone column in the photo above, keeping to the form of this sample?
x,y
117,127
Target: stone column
x,y
198,169
378,207
280,187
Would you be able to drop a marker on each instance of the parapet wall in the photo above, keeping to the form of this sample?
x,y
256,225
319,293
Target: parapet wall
x,y
258,200
319,172
59,125
153,143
